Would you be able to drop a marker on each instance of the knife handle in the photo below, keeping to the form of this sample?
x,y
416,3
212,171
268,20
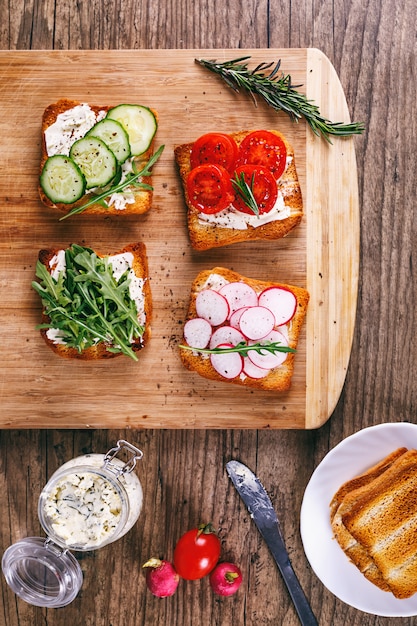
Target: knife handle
x,y
298,597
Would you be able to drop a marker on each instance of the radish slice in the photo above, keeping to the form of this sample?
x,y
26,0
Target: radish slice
x,y
282,303
226,334
257,322
269,360
212,306
234,319
229,364
239,295
253,371
197,332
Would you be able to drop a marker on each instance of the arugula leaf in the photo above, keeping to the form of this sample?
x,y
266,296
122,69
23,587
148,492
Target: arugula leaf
x,y
87,304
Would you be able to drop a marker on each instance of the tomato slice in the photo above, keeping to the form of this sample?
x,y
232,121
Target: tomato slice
x,y
209,188
214,148
263,185
261,147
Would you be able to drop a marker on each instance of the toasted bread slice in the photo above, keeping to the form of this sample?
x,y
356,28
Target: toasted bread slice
x,y
136,257
363,479
381,516
138,203
354,550
210,234
276,379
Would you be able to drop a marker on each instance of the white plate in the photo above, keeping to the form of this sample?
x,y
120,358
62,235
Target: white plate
x,y
348,459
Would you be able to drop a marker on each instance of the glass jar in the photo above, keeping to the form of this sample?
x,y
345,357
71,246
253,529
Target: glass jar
x,y
89,502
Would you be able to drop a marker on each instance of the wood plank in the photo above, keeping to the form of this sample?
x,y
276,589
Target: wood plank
x,y
158,392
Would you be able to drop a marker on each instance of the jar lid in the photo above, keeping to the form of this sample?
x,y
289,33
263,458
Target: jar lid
x,y
41,573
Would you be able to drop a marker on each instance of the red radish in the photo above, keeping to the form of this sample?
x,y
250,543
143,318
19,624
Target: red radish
x,y
269,360
227,364
197,332
239,295
253,371
235,317
212,306
161,578
282,302
225,579
226,334
256,322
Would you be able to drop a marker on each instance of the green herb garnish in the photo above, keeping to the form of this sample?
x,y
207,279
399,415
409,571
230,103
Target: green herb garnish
x,y
131,180
243,348
87,304
245,191
278,92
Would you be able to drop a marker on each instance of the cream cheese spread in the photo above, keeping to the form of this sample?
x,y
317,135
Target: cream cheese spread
x,y
120,264
84,509
70,126
231,218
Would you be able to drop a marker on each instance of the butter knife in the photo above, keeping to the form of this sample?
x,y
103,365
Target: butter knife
x,y
262,512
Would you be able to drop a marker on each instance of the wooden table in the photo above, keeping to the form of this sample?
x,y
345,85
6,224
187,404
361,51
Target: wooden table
x,y
183,471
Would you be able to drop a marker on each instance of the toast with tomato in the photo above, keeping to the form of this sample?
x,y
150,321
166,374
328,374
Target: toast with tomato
x,y
95,306
243,330
239,186
91,156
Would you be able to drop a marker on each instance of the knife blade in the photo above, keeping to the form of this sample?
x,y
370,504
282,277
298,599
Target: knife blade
x,y
263,514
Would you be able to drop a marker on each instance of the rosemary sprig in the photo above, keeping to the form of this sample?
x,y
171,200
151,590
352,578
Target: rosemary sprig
x,y
130,180
279,93
245,191
243,348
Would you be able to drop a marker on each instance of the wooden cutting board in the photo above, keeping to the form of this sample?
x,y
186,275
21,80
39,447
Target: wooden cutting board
x,y
41,390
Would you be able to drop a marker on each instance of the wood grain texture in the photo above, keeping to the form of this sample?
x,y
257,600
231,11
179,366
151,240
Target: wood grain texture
x,y
322,253
372,46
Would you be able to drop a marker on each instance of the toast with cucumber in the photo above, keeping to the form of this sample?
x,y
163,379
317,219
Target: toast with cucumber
x,y
243,330
95,306
97,159
239,186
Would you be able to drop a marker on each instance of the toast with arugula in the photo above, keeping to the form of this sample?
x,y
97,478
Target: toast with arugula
x,y
239,186
95,306
97,159
243,330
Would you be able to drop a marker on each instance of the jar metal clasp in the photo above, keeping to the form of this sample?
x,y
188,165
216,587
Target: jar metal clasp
x,y
130,464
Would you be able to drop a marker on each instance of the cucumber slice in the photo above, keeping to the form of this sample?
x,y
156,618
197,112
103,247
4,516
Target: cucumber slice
x,y
62,180
114,136
139,122
96,161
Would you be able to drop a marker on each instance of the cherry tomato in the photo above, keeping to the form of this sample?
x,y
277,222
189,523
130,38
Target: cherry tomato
x,y
261,147
214,148
263,185
209,188
197,553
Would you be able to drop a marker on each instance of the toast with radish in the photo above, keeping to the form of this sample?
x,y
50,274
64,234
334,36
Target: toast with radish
x,y
95,306
242,330
92,155
239,186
